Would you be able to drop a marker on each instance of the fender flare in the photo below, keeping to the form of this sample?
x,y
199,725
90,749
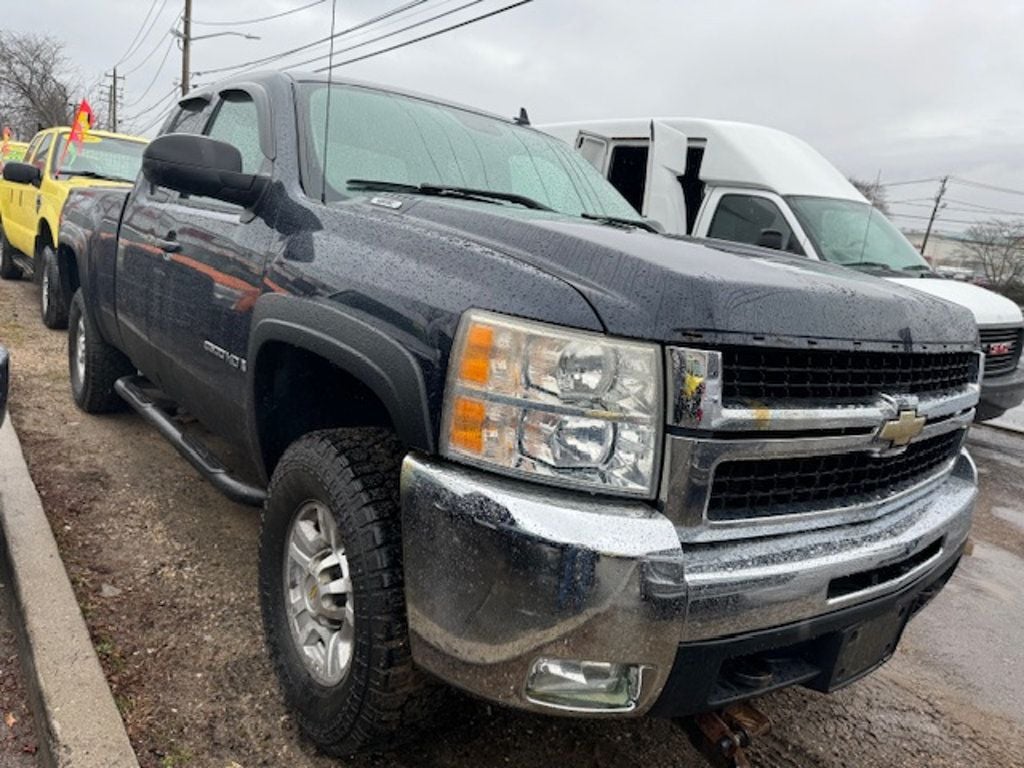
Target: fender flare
x,y
354,345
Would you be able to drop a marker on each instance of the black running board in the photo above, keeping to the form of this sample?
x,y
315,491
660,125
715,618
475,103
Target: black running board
x,y
131,390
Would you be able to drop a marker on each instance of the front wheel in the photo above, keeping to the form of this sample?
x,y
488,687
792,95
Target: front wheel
x,y
53,305
332,593
93,364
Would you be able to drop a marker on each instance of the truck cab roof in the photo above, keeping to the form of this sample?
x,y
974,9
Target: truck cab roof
x,y
737,154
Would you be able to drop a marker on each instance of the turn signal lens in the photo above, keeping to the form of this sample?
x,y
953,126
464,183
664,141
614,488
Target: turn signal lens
x,y
566,407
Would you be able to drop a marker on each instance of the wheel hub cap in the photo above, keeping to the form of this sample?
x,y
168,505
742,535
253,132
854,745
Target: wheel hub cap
x,y
46,291
318,594
80,350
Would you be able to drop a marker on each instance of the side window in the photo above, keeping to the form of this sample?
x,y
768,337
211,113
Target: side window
x,y
237,122
30,153
628,173
39,159
753,220
593,149
191,118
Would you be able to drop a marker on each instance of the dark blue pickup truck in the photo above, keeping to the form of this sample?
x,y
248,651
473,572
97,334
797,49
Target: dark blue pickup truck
x,y
511,438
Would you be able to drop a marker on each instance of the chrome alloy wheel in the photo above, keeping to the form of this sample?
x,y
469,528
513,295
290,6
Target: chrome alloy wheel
x,y
46,290
80,350
318,594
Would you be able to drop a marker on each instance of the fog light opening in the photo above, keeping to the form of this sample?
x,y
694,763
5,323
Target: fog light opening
x,y
595,686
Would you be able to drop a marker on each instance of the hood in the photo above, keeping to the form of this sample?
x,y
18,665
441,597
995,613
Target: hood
x,y
649,286
988,307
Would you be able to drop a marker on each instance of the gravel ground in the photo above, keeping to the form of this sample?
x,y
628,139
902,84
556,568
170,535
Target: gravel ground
x,y
164,569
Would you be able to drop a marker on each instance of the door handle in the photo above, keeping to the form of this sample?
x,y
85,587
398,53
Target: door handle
x,y
169,245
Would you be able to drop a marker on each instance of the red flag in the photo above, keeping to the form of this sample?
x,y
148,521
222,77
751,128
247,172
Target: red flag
x,y
79,129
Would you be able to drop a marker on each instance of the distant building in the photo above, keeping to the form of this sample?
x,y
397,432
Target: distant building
x,y
945,253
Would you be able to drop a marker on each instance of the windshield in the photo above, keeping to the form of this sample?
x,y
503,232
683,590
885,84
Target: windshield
x,y
100,157
855,235
381,136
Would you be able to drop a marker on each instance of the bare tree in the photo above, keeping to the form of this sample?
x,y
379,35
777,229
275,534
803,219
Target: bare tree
x,y
875,193
36,88
998,246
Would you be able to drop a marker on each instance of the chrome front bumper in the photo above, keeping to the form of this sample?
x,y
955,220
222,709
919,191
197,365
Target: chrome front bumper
x,y
500,573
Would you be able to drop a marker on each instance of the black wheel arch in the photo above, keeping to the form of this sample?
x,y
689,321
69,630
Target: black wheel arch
x,y
374,367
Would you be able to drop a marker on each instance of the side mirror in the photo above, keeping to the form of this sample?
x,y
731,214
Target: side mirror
x,y
199,165
5,381
23,173
770,238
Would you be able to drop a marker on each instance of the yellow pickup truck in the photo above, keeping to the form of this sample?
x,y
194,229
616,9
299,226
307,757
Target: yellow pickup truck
x,y
32,195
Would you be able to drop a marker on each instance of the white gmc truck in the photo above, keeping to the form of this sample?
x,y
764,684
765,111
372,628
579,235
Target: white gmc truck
x,y
752,184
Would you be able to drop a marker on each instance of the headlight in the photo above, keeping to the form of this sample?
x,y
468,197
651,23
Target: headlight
x,y
564,407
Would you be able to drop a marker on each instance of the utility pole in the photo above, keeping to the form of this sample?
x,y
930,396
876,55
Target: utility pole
x,y
186,45
935,211
113,97
113,100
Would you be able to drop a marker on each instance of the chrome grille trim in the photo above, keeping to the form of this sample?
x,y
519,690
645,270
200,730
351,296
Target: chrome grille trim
x,y
1009,335
689,476
693,406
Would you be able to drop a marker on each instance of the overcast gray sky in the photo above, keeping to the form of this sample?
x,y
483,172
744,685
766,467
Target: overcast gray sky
x,y
909,89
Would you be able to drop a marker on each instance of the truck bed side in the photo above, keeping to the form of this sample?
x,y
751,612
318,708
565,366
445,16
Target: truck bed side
x,y
88,251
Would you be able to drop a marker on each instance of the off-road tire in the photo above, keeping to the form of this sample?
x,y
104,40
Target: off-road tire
x,y
53,304
8,269
383,700
93,390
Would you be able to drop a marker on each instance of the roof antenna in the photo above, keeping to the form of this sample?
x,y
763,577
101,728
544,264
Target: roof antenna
x,y
327,114
523,118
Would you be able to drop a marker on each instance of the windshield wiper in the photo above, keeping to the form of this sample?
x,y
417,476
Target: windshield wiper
x,y
916,268
439,190
620,221
871,265
91,175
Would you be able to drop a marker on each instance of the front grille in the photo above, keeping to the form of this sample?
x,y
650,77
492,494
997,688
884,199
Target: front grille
x,y
766,487
772,374
1002,349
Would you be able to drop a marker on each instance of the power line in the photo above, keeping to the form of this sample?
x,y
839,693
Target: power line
x,y
142,63
993,187
461,24
156,76
146,110
386,35
299,49
243,22
963,209
943,220
148,32
131,45
909,181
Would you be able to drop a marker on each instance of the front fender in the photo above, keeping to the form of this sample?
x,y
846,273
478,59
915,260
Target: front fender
x,y
355,346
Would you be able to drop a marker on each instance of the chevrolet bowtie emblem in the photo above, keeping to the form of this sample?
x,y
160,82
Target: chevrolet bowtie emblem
x,y
901,431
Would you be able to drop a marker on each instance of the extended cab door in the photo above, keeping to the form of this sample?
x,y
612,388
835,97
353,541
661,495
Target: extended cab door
x,y
213,265
20,217
13,193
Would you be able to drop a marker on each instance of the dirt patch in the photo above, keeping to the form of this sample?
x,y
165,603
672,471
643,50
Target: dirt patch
x,y
18,745
164,569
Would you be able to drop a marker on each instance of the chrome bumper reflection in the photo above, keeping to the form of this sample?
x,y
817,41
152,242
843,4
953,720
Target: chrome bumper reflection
x,y
501,572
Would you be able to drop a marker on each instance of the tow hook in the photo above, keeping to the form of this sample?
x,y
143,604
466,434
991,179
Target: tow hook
x,y
723,736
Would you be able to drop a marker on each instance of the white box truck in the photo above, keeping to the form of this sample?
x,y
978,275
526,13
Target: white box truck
x,y
752,184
